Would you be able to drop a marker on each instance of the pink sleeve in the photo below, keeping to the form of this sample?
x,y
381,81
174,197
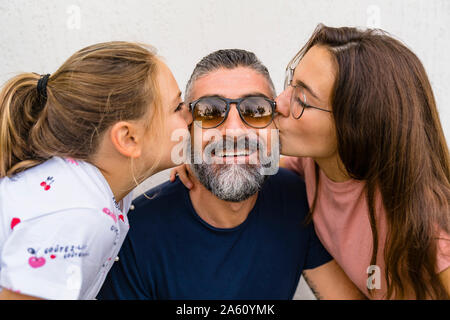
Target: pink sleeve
x,y
295,164
443,258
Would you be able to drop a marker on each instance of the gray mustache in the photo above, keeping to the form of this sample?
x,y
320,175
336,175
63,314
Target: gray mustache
x,y
251,144
268,162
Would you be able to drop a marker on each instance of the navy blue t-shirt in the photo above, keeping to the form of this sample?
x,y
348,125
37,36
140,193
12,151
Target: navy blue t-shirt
x,y
171,253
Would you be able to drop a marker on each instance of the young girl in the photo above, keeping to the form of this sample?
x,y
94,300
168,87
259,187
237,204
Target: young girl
x,y
360,121
73,145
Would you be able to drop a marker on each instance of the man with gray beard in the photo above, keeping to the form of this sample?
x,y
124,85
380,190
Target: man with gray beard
x,y
233,182
237,231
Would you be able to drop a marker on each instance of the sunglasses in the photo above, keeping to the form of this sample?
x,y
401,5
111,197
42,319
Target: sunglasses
x,y
255,111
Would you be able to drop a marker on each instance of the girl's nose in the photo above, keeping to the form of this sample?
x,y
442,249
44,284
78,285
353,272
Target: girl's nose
x,y
283,102
187,115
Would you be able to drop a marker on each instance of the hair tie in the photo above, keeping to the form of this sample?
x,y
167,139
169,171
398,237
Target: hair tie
x,y
42,86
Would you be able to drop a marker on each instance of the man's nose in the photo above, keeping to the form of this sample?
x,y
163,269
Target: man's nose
x,y
233,120
283,102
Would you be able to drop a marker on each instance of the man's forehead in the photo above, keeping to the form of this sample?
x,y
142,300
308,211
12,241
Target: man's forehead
x,y
231,83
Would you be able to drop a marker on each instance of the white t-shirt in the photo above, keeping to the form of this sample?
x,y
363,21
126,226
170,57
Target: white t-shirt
x,y
60,230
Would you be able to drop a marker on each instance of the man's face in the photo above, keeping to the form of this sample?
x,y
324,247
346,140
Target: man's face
x,y
231,154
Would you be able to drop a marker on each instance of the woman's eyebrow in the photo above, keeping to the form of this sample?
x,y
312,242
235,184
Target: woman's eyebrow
x,y
300,83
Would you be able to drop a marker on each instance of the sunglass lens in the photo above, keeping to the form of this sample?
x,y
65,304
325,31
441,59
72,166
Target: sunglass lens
x,y
210,111
256,111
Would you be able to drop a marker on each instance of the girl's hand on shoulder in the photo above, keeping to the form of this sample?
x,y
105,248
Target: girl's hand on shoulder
x,y
182,173
282,163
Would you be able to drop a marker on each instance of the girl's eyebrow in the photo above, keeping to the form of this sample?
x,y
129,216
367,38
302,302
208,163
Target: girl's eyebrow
x,y
177,97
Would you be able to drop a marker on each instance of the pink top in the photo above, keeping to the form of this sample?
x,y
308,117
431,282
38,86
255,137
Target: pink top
x,y
342,224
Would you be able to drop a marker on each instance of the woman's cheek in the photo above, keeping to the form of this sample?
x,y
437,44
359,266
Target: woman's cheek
x,y
325,140
314,136
291,137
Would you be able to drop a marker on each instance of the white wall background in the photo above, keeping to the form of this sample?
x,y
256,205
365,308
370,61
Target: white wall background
x,y
37,36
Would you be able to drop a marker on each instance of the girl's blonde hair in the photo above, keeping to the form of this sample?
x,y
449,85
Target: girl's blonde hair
x,y
95,88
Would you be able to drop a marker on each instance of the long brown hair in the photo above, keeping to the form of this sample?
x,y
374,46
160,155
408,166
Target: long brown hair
x,y
96,87
389,135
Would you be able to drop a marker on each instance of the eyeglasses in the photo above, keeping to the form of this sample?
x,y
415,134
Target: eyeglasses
x,y
255,111
299,101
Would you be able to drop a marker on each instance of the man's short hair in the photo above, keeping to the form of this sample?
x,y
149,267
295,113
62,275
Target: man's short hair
x,y
228,59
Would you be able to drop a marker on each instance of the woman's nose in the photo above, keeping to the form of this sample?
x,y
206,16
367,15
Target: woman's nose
x,y
283,102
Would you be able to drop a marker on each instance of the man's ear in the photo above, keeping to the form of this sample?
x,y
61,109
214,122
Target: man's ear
x,y
126,138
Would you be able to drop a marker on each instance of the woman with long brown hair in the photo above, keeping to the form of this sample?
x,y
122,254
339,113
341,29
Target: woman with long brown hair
x,y
73,145
375,159
359,121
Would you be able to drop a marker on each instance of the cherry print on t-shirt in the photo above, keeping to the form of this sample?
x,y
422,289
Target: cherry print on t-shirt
x,y
34,261
111,214
71,251
72,161
11,289
14,222
47,183
121,217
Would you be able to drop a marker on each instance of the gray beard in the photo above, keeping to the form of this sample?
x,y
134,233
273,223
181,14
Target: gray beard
x,y
230,182
234,182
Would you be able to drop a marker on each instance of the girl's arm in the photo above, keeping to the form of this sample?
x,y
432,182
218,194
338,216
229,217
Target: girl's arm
x,y
51,255
6,294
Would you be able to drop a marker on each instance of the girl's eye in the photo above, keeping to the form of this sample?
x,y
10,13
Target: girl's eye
x,y
179,107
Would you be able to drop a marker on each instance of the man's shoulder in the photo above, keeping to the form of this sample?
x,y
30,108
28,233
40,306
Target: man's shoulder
x,y
287,180
284,195
158,200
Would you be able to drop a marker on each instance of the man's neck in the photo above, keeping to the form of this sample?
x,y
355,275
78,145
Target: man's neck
x,y
216,212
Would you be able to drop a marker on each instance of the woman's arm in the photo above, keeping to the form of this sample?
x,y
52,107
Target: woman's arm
x,y
445,278
282,163
295,164
329,282
183,173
